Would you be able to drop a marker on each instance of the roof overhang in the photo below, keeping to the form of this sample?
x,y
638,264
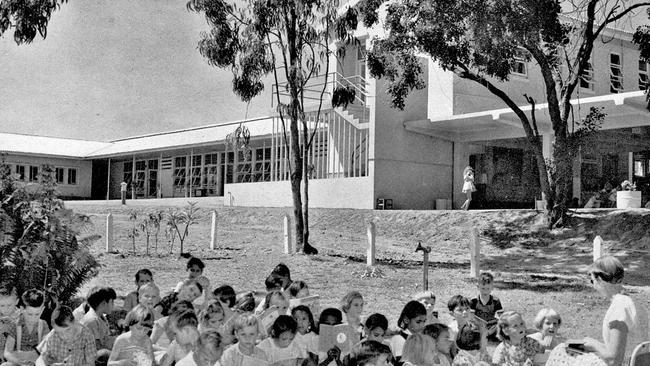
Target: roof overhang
x,y
623,110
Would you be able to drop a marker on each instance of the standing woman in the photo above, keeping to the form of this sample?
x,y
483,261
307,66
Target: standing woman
x,y
468,186
626,321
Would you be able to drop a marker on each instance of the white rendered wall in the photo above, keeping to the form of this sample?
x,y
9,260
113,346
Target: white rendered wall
x,y
84,172
323,193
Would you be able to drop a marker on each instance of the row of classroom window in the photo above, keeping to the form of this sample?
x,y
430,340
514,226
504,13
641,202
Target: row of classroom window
x,y
616,84
29,173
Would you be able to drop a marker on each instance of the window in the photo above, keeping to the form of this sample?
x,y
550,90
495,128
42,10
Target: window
x,y
59,175
127,176
20,171
587,77
643,75
262,171
33,173
519,65
72,176
180,171
615,73
243,172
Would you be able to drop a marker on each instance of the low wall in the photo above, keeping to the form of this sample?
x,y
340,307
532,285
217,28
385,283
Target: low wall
x,y
323,193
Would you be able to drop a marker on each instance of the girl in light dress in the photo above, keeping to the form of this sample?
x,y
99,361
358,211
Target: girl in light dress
x,y
134,347
548,322
470,352
411,321
186,334
281,347
212,316
28,332
305,331
352,307
516,349
468,186
142,277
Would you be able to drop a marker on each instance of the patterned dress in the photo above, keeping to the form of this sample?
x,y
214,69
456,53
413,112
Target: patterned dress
x,y
522,354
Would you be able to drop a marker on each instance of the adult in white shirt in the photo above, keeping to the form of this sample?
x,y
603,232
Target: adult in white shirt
x,y
626,321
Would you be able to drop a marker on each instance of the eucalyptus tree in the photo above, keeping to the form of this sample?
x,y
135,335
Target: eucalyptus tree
x,y
479,41
291,42
27,18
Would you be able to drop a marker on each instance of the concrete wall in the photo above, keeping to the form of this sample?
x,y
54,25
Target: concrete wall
x,y
411,169
84,172
325,193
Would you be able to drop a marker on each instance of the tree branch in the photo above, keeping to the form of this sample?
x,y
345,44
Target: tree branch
x,y
549,83
627,11
532,113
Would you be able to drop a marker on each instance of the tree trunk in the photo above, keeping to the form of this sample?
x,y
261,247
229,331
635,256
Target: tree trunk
x,y
562,181
296,175
307,248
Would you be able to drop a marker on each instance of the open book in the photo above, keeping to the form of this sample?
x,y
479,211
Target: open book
x,y
252,361
341,335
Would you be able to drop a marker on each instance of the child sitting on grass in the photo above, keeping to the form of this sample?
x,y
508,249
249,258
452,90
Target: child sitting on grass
x,y
29,331
516,349
411,321
101,303
246,331
298,290
149,296
190,291
8,313
211,317
281,348
372,353
548,322
306,330
428,299
420,350
485,305
194,270
445,345
469,347
459,307
68,343
134,347
186,335
163,325
142,277
207,352
352,307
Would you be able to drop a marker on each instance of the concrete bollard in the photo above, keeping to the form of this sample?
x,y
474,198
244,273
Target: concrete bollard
x,y
598,247
288,249
475,254
370,255
213,231
110,244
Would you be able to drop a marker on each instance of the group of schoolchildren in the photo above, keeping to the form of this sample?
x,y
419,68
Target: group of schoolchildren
x,y
196,326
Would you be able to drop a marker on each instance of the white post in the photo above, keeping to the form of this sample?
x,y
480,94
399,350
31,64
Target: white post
x,y
109,234
287,235
370,255
475,254
630,166
213,231
598,247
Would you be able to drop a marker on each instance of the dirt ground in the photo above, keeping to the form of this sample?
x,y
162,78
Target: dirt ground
x,y
534,268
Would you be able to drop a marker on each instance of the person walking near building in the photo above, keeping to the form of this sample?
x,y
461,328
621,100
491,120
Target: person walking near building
x,y
123,187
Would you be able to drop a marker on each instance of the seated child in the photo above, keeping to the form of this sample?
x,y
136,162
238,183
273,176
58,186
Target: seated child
x,y
445,345
469,347
376,327
68,343
8,313
190,291
142,277
273,283
281,348
207,353
211,317
83,308
516,349
227,297
245,328
411,321
28,332
420,350
275,300
428,299
149,296
134,347
164,325
331,357
352,307
485,305
548,322
101,303
194,270
372,353
459,307
186,334
305,330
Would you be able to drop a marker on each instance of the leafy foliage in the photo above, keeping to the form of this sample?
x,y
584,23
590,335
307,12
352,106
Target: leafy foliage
x,y
42,243
27,17
180,220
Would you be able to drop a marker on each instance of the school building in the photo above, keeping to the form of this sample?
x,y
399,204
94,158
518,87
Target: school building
x,y
368,152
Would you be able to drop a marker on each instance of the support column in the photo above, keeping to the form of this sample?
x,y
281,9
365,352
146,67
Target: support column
x,y
108,181
577,177
133,180
461,160
159,178
630,166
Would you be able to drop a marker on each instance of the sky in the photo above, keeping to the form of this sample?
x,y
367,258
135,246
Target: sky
x,y
110,69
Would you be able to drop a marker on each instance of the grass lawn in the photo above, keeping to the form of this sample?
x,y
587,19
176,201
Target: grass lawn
x,y
533,268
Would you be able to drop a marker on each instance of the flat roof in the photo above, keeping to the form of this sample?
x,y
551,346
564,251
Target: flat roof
x,y
48,146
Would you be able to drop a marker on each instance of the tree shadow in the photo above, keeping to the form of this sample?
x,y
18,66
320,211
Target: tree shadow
x,y
400,263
